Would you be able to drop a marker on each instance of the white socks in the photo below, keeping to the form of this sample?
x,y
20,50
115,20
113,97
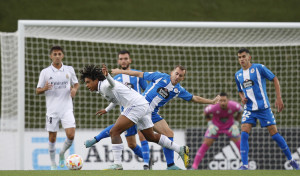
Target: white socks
x,y
52,153
167,143
117,152
66,146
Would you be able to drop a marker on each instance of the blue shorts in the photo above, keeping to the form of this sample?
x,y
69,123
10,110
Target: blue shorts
x,y
155,117
131,131
265,117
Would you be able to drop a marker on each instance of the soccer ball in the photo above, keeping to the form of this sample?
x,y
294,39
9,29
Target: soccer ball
x,y
74,162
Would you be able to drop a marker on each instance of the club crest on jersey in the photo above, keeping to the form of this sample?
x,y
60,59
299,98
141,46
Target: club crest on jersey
x,y
252,70
176,90
67,76
248,83
162,91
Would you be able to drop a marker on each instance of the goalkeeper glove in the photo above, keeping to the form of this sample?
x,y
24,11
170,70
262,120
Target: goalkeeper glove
x,y
212,129
234,129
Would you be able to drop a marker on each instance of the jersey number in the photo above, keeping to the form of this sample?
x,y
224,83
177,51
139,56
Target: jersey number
x,y
246,114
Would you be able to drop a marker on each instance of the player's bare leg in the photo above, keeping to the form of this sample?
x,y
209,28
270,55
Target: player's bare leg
x,y
122,124
162,127
131,141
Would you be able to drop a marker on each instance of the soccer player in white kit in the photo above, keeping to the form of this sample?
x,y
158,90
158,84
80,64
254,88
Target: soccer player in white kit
x,y
136,111
60,84
138,84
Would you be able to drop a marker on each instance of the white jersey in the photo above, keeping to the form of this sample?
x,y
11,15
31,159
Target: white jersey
x,y
120,94
58,98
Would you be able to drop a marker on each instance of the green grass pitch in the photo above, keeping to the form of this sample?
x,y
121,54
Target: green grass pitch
x,y
154,173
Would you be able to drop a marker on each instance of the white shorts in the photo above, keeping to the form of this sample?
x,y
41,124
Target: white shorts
x,y
140,115
67,121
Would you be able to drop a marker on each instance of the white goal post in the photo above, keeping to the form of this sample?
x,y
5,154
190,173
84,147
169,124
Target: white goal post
x,y
207,49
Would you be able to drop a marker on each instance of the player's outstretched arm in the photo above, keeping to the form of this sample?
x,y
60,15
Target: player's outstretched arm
x,y
107,109
278,103
101,112
110,80
127,72
202,100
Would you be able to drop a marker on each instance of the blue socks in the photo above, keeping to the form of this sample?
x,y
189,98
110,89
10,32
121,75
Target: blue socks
x,y
276,137
146,151
244,147
143,152
138,151
104,133
282,144
169,154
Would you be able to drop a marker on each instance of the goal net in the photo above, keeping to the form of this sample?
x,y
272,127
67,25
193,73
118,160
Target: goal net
x,y
208,50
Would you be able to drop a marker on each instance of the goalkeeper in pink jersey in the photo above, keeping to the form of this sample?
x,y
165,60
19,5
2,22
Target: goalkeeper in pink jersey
x,y
223,118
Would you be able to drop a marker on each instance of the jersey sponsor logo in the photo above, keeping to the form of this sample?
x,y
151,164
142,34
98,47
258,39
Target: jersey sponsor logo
x,y
162,91
60,85
229,159
131,86
248,83
252,70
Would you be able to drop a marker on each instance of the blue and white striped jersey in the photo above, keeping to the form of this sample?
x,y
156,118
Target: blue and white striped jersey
x,y
160,90
133,82
253,83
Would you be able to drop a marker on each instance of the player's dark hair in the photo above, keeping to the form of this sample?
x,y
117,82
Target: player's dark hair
x,y
223,94
180,67
243,50
124,52
56,48
93,72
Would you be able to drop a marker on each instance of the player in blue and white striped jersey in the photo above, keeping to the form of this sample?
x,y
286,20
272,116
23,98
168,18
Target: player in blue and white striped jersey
x,y
138,84
251,84
161,89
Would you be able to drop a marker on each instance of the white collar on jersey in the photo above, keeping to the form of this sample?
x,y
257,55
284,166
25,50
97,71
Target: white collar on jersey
x,y
99,85
56,70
